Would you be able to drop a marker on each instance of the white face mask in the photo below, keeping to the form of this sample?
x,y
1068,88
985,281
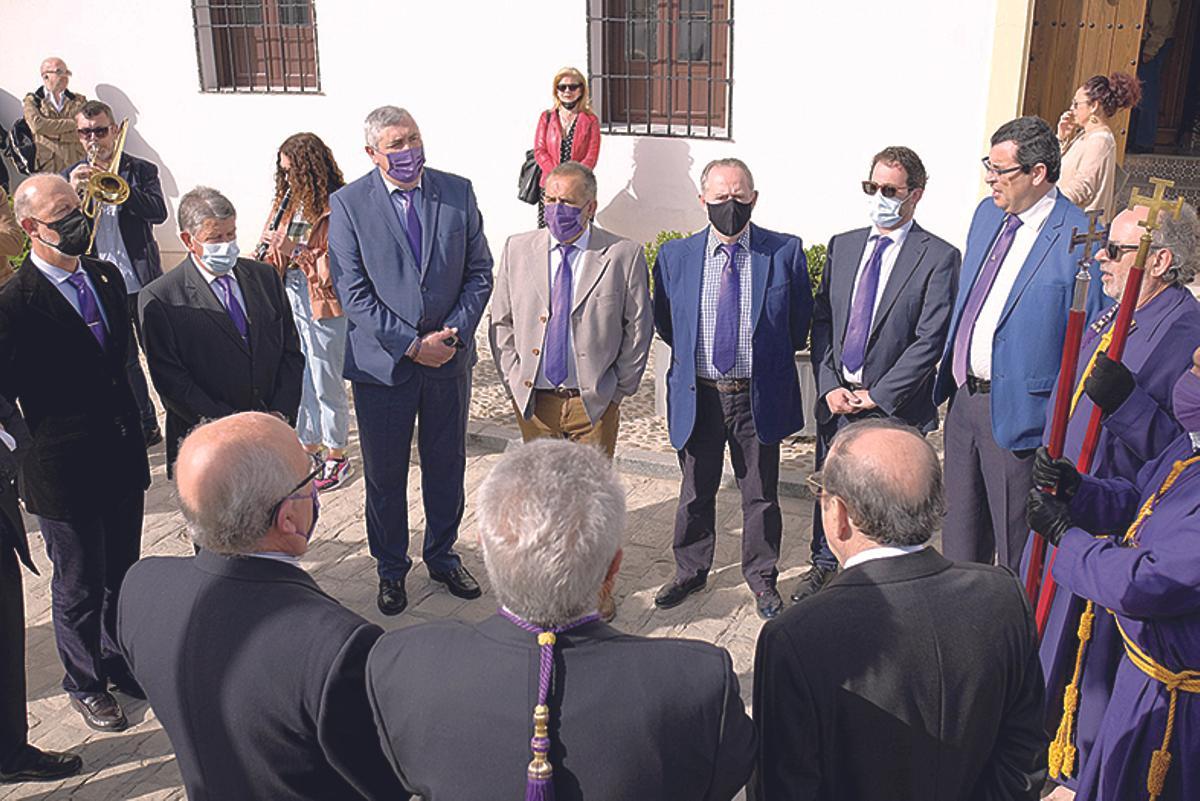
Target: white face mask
x,y
219,257
884,211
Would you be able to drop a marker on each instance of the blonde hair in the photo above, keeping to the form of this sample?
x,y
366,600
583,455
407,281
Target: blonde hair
x,y
585,99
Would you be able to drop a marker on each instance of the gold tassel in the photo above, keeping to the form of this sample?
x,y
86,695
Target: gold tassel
x,y
1062,751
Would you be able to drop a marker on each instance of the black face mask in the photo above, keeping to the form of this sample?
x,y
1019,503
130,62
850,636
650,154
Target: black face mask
x,y
729,217
73,234
571,105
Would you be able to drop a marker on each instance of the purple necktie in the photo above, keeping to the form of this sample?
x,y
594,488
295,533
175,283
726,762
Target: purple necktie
x,y
979,293
88,309
560,320
236,313
412,221
854,346
729,312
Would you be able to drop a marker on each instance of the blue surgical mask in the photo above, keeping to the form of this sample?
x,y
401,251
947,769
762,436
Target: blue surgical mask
x,y
884,211
219,257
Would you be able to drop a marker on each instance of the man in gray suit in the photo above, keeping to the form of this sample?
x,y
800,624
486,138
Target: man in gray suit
x,y
617,717
879,322
571,320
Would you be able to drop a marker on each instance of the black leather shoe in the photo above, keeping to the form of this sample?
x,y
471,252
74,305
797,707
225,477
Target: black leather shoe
x,y
124,683
34,765
459,581
673,593
769,603
812,581
392,596
101,712
153,436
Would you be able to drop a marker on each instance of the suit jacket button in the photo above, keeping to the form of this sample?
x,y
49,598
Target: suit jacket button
x,y
536,351
542,318
529,383
692,387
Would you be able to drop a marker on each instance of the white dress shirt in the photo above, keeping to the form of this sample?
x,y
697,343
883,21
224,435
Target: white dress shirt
x,y
7,439
220,296
882,552
555,259
59,277
1032,219
110,246
886,262
277,556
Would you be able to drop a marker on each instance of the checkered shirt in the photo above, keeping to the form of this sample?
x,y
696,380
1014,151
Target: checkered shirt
x,y
710,292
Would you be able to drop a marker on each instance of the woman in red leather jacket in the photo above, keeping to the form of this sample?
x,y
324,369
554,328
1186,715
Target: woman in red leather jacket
x,y
567,132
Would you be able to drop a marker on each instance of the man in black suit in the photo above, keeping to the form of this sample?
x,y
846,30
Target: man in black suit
x,y
125,233
879,322
64,330
254,672
927,682
19,761
218,329
622,717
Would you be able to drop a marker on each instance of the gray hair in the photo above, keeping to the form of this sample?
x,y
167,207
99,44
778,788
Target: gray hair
x,y
726,162
551,514
884,512
200,204
1036,144
574,169
234,504
23,196
383,117
1180,237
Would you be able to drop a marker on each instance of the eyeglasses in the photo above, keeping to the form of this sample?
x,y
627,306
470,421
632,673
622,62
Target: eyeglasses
x,y
870,188
992,169
293,494
814,484
98,132
48,73
569,87
1115,251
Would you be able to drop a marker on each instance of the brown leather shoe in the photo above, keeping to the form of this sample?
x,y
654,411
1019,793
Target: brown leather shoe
x,y
101,711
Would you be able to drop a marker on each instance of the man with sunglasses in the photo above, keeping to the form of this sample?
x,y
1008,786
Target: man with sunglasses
x,y
257,676
1138,423
125,233
50,114
64,328
879,321
1004,346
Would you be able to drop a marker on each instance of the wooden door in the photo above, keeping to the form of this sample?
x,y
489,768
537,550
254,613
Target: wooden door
x,y
1073,40
1175,74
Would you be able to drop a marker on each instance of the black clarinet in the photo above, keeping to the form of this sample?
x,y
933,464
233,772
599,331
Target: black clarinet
x,y
261,250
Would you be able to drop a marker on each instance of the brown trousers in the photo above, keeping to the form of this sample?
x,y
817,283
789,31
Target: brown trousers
x,y
566,418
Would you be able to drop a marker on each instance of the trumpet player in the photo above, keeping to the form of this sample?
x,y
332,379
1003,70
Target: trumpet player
x,y
124,234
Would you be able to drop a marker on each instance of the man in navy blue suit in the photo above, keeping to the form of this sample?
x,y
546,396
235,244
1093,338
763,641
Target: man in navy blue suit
x,y
733,302
1005,342
413,272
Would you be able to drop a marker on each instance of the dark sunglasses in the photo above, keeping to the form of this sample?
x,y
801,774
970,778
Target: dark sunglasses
x,y
870,188
98,131
569,87
1115,251
293,493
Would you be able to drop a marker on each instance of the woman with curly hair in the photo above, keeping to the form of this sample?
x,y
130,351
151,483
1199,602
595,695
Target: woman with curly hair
x,y
305,176
1089,162
568,131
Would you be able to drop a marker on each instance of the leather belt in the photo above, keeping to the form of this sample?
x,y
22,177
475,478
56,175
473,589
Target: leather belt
x,y
562,392
978,386
726,386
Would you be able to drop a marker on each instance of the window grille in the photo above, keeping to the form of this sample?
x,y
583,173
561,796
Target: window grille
x,y
256,45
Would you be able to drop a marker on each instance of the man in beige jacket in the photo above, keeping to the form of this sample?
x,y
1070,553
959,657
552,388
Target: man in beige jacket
x,y
50,112
12,238
571,320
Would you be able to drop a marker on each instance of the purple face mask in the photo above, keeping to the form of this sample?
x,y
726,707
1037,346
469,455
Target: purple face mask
x,y
564,221
405,166
1185,400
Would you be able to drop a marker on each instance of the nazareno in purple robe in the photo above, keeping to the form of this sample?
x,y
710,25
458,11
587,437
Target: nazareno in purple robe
x,y
1153,589
1159,349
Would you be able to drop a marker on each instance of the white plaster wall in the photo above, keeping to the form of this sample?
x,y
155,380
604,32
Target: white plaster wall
x,y
819,87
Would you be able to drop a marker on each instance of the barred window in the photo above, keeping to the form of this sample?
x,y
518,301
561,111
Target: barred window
x,y
662,67
256,45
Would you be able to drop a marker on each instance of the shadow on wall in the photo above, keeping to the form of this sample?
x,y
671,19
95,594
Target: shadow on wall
x,y
660,195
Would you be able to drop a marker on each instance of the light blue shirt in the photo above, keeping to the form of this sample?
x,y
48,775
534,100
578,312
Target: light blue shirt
x,y
209,278
579,245
400,201
60,277
110,246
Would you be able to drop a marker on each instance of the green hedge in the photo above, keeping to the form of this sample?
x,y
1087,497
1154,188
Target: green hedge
x,y
815,256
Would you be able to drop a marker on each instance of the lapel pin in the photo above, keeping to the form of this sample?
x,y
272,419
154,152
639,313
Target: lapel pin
x,y
104,278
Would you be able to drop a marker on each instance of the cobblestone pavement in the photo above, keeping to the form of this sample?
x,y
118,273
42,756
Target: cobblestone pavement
x,y
138,763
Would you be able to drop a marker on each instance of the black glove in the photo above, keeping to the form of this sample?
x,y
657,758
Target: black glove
x,y
1047,515
1109,384
1057,474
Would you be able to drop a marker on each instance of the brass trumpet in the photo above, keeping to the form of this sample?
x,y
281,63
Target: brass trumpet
x,y
104,186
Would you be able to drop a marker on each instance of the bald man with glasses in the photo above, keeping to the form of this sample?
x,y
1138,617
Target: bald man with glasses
x,y
50,113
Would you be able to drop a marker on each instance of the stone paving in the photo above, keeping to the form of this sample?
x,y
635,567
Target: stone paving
x,y
138,763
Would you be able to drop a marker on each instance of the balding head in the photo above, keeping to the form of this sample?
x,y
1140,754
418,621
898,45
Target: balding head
x,y
40,200
231,473
889,484
55,75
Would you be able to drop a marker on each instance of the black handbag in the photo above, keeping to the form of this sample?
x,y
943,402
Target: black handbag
x,y
529,185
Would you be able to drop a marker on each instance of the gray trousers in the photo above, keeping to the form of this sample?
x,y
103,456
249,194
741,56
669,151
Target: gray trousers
x,y
986,487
